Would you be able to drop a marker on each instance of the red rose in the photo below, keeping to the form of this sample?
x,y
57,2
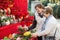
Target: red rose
x,y
23,23
33,38
31,18
28,23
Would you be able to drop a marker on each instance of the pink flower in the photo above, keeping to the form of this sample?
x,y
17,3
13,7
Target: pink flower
x,y
1,39
18,38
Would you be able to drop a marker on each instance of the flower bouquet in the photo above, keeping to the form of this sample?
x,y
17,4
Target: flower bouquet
x,y
23,34
6,20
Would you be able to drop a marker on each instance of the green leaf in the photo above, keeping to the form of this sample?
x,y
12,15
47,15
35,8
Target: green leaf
x,y
25,38
21,29
5,38
16,36
33,31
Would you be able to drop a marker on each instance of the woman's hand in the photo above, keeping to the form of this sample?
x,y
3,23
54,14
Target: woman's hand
x,y
34,35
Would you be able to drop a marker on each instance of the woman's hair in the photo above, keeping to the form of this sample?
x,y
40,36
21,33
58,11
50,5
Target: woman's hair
x,y
39,6
48,10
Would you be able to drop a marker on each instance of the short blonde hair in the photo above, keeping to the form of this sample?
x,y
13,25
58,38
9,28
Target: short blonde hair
x,y
48,9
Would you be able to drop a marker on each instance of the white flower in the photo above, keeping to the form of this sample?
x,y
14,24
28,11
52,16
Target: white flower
x,y
3,17
1,10
8,22
13,35
25,27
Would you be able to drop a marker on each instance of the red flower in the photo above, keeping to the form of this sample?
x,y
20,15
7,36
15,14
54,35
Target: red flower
x,y
26,15
31,18
28,23
23,23
5,3
33,38
2,7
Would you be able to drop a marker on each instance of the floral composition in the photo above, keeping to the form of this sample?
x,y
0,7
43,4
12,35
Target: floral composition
x,y
23,34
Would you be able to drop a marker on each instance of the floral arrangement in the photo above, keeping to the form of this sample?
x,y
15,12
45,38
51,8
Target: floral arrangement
x,y
6,20
5,3
23,34
12,15
11,9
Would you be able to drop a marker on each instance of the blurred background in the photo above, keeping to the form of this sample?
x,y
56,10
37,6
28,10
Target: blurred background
x,y
55,4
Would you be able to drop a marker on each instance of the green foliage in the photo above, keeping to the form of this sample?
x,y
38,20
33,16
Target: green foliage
x,y
5,38
45,3
0,21
31,13
20,29
25,38
33,31
56,11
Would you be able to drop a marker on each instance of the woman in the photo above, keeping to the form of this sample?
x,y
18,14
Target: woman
x,y
39,19
49,27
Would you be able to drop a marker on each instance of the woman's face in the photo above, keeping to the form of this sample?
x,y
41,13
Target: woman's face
x,y
39,10
46,15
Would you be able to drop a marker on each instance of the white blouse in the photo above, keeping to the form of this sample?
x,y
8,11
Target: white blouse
x,y
40,21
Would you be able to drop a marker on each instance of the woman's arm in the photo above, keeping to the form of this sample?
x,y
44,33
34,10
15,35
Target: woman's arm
x,y
33,25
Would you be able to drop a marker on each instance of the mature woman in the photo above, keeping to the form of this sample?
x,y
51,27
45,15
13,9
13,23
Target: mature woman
x,y
39,19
